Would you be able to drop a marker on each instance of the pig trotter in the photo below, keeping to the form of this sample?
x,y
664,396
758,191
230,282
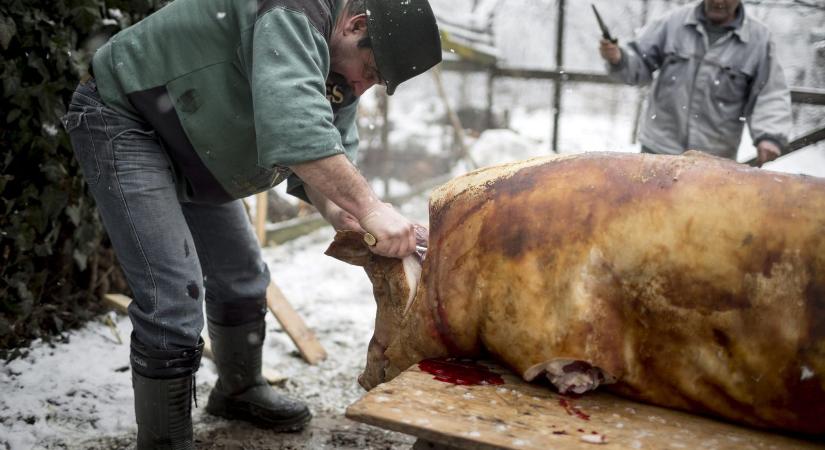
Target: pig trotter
x,y
570,376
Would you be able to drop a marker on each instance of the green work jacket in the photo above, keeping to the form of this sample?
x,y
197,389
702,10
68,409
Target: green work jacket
x,y
237,90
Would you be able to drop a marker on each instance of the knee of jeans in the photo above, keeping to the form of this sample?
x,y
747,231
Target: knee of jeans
x,y
243,279
233,286
170,325
237,312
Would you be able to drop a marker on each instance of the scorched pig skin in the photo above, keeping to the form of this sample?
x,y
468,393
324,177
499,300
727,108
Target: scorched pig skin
x,y
689,282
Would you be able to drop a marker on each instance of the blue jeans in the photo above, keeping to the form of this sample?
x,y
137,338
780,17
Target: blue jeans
x,y
174,255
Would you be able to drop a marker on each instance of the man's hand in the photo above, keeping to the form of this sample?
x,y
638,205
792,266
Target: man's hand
x,y
394,234
610,52
767,151
332,213
334,180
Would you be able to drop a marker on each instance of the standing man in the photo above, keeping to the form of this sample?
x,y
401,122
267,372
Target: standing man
x,y
717,69
203,103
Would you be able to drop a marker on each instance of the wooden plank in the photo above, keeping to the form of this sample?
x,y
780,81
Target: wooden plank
x,y
121,302
118,302
799,95
518,415
261,204
809,96
476,52
308,345
809,138
287,230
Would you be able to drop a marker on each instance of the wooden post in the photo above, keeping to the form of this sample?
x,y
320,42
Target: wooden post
x,y
261,200
490,86
291,322
384,109
454,120
120,303
491,77
642,93
557,88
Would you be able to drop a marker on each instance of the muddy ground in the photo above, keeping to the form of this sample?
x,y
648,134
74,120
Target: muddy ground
x,y
329,431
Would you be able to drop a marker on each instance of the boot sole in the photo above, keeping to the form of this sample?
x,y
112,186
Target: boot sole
x,y
221,406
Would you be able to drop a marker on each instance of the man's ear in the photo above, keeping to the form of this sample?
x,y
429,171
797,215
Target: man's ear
x,y
357,24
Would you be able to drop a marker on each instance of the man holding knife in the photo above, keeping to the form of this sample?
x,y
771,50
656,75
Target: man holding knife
x,y
717,69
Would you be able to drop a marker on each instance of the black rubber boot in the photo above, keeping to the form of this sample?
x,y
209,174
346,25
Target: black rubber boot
x,y
241,392
163,382
163,409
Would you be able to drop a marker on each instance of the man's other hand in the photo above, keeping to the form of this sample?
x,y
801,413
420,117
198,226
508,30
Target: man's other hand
x,y
767,151
342,220
394,234
610,52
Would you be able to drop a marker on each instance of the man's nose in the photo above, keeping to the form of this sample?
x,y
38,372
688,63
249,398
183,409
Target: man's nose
x,y
362,87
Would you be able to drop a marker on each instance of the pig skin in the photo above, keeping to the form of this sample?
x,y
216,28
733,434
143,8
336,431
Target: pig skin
x,y
694,282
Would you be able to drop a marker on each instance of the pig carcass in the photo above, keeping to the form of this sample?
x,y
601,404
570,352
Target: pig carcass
x,y
689,282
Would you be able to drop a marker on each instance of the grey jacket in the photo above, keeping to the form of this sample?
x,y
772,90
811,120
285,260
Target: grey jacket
x,y
703,94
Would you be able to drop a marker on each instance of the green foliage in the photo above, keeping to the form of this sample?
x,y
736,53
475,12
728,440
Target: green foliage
x,y
54,258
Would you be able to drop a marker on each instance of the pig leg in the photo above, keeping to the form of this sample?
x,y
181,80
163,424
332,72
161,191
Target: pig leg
x,y
373,374
570,375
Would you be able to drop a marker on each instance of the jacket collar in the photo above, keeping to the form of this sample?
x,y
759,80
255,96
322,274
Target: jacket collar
x,y
741,25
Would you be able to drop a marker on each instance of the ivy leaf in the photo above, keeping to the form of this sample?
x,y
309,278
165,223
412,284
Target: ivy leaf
x,y
44,249
81,259
53,170
58,323
24,240
13,114
11,82
73,211
7,31
4,179
85,17
36,62
27,298
54,200
5,327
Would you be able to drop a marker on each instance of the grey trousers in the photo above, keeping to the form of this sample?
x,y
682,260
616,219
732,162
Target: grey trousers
x,y
175,255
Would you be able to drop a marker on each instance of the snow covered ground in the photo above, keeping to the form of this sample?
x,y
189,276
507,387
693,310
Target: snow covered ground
x,y
77,393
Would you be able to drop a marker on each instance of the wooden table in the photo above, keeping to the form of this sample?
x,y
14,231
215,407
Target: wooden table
x,y
518,415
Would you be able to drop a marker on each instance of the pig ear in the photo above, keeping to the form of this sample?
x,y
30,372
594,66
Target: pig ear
x,y
349,246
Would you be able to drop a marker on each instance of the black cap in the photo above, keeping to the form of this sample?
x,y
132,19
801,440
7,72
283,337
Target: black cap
x,y
404,37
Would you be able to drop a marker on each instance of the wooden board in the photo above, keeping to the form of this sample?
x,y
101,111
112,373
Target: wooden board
x,y
517,415
303,338
121,302
261,206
